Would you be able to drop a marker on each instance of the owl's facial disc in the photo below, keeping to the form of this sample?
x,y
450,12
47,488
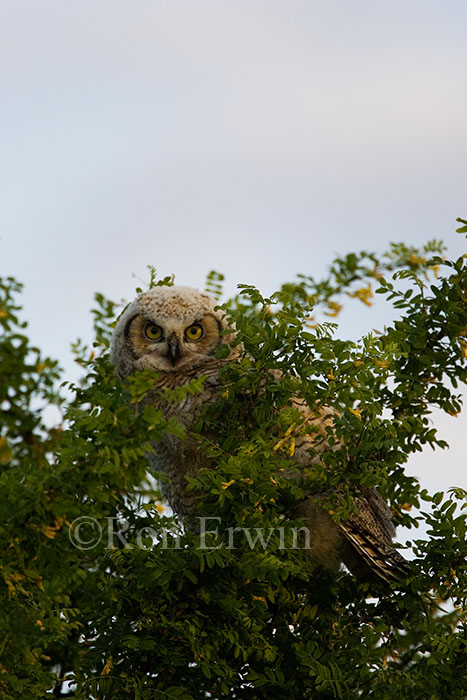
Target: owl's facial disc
x,y
170,330
168,344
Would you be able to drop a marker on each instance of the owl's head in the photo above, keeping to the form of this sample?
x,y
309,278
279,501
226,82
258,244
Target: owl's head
x,y
168,329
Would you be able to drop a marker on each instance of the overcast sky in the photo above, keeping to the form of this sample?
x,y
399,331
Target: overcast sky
x,y
255,137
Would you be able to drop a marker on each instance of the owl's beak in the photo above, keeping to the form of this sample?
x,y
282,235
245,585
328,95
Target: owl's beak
x,y
173,349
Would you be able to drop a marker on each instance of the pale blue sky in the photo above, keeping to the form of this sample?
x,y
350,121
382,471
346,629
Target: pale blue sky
x,y
256,137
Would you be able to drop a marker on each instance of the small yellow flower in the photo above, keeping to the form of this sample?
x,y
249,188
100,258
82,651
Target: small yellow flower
x,y
356,412
11,580
108,667
287,434
51,531
376,273
334,308
417,259
226,484
365,294
384,364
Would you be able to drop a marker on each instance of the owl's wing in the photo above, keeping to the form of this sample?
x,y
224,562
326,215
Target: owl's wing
x,y
370,531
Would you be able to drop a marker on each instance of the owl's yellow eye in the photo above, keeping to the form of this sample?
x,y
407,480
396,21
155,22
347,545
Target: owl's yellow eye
x,y
153,332
194,332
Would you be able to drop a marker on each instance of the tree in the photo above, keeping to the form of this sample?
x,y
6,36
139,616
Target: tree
x,y
102,587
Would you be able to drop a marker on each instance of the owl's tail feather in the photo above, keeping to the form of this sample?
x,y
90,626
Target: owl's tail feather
x,y
380,557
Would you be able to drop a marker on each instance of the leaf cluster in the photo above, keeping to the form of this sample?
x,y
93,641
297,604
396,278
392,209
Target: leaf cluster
x,y
105,595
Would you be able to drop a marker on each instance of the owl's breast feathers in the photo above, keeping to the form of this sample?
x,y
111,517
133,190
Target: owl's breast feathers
x,y
180,458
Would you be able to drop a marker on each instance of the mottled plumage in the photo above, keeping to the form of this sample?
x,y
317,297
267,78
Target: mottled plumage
x,y
175,331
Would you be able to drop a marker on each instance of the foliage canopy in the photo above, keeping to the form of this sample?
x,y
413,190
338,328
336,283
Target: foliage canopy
x,y
101,587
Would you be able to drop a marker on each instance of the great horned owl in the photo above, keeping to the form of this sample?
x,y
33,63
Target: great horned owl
x,y
175,331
